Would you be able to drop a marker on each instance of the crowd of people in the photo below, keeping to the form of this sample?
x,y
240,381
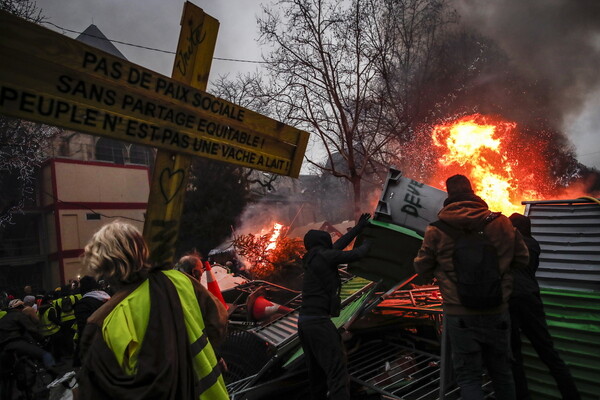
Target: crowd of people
x,y
46,326
109,323
106,325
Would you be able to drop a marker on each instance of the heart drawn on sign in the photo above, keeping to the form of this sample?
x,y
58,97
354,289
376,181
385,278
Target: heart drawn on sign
x,y
170,183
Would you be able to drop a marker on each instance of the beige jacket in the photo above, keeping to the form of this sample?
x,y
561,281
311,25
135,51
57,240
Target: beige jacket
x,y
435,256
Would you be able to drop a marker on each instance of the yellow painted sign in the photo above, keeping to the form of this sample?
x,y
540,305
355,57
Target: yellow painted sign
x,y
52,79
197,41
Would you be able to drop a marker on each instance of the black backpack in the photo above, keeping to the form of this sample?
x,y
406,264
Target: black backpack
x,y
475,259
66,306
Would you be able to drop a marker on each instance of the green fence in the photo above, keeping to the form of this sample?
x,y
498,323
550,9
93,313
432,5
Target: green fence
x,y
574,321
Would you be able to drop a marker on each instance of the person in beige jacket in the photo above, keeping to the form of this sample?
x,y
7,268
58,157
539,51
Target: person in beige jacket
x,y
478,337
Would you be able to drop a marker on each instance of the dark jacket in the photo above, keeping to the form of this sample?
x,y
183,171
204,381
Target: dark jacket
x,y
84,308
435,255
15,325
321,286
525,283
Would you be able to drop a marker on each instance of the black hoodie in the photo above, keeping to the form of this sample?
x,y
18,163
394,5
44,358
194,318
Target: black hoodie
x,y
321,286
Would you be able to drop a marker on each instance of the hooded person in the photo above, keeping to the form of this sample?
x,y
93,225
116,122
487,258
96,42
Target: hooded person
x,y
527,317
479,332
320,339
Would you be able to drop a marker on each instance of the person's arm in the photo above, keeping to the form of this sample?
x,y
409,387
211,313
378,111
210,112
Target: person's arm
x,y
213,312
345,257
347,238
425,261
521,257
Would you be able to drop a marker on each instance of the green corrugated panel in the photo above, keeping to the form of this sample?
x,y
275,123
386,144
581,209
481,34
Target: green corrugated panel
x,y
352,286
574,323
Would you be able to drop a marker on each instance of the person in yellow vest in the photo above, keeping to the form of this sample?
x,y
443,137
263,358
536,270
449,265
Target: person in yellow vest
x,y
154,338
49,325
65,311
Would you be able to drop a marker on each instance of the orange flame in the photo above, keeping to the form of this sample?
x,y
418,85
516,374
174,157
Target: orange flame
x,y
274,236
480,148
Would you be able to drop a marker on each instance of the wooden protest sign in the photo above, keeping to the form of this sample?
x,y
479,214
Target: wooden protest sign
x,y
49,78
197,40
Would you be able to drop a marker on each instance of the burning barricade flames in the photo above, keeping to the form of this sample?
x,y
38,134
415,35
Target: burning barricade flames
x,y
504,166
270,252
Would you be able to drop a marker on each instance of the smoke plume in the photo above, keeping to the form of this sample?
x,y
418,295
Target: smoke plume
x,y
555,45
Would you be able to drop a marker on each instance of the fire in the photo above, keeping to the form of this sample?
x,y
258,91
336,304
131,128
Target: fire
x,y
274,236
503,170
269,251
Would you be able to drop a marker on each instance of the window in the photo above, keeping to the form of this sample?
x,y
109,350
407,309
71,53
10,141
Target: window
x,y
110,150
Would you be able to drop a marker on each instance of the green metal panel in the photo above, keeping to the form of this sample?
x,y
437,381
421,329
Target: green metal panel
x,y
573,319
390,258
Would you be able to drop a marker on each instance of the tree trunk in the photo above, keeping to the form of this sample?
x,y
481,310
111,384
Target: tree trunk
x,y
356,189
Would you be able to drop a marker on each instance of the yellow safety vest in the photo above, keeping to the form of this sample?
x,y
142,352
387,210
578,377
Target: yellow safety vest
x,y
47,327
2,314
125,327
67,315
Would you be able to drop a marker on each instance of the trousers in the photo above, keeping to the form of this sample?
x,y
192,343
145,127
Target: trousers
x,y
477,341
325,358
527,316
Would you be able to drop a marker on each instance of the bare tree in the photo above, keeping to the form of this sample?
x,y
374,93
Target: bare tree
x,y
23,8
23,144
346,71
23,147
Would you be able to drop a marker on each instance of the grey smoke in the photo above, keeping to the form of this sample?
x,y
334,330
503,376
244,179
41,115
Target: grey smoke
x,y
553,42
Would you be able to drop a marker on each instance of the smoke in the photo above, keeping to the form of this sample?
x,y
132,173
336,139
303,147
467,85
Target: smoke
x,y
555,44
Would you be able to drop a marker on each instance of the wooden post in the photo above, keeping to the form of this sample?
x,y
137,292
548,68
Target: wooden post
x,y
195,49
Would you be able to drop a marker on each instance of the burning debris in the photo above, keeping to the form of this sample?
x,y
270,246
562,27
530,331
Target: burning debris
x,y
268,255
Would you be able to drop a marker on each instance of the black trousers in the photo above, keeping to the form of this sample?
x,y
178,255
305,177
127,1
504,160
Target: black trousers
x,y
325,358
527,316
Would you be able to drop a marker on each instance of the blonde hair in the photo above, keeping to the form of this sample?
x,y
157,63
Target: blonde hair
x,y
117,253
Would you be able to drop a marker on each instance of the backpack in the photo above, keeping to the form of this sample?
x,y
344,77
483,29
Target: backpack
x,y
475,259
66,305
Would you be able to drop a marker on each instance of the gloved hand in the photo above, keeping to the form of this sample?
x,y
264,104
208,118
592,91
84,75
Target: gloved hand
x,y
363,220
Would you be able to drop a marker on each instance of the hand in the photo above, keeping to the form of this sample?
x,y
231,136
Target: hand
x,y
363,220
